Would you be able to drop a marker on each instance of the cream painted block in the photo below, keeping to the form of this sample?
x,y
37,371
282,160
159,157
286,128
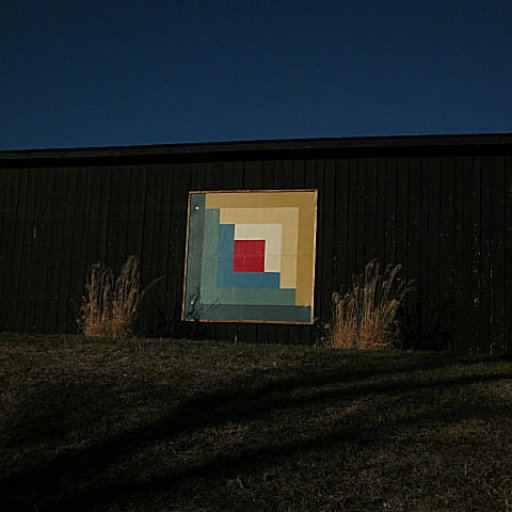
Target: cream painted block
x,y
272,234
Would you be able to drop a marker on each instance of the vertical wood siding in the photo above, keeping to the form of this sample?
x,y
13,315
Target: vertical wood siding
x,y
447,218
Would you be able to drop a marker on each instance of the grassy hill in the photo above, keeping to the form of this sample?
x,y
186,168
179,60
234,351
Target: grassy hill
x,y
161,425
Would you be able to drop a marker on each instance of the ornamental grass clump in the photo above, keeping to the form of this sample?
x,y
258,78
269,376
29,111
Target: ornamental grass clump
x,y
365,317
110,307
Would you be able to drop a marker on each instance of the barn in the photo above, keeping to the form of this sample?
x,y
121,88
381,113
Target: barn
x,y
300,217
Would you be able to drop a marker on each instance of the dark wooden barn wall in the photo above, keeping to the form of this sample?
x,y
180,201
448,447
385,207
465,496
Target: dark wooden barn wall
x,y
447,218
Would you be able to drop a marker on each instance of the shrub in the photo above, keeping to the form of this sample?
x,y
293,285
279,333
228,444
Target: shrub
x,y
110,307
365,317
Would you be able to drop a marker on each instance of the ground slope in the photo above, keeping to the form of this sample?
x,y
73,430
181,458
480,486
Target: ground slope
x,y
194,426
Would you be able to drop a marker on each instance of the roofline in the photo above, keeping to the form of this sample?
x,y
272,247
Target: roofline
x,y
236,147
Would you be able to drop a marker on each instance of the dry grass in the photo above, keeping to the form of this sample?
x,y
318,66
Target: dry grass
x,y
187,426
110,307
365,317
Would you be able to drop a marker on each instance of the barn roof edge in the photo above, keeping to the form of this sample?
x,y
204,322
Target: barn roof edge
x,y
260,146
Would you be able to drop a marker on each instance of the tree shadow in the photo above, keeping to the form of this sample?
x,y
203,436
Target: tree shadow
x,y
55,411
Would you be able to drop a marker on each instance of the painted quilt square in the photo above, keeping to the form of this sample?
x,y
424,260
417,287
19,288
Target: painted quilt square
x,y
251,256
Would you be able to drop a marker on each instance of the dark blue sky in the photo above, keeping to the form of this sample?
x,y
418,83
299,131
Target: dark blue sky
x,y
101,73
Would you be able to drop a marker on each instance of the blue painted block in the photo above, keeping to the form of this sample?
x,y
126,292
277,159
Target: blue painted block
x,y
226,278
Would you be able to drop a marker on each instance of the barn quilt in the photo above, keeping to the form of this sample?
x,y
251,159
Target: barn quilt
x,y
250,256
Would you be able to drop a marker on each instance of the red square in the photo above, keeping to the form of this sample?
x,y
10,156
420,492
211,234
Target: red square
x,y
249,256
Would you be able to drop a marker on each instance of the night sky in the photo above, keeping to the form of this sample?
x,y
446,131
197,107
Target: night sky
x,y
103,73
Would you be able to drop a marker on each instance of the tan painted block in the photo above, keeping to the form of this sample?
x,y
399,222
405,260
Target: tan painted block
x,y
288,218
296,212
268,199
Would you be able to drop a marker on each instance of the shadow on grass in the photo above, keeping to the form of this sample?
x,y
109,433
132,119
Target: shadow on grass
x,y
88,477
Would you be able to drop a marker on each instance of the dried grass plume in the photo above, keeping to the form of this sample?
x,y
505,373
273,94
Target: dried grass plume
x,y
110,307
365,317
